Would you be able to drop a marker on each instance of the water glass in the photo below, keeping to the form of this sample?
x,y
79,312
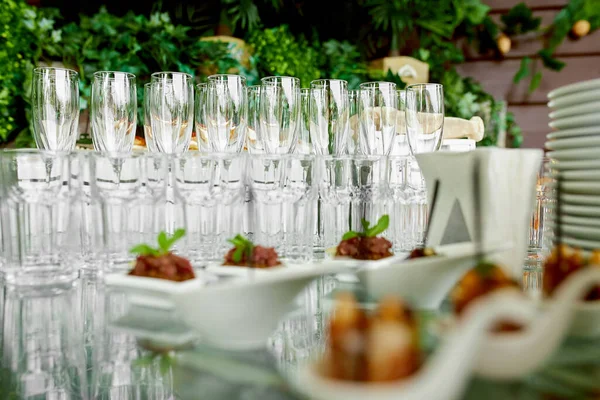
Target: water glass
x,y
425,117
329,116
253,142
171,111
55,108
227,113
300,195
279,114
35,187
377,112
200,118
303,143
113,111
400,232
148,137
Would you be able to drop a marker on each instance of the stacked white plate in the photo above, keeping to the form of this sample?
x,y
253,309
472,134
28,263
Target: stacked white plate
x,y
574,152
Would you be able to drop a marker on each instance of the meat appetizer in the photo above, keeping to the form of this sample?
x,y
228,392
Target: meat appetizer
x,y
246,254
160,262
366,245
478,282
422,252
380,347
564,261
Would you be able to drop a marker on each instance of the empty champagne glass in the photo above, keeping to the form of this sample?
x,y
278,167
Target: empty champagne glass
x,y
329,116
401,147
150,143
354,132
55,108
227,112
425,117
113,111
279,113
377,116
200,118
253,142
303,143
172,111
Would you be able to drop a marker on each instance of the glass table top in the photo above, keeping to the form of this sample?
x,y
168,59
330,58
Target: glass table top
x,y
87,342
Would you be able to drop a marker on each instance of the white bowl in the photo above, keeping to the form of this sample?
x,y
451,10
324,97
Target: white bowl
x,y
573,99
581,199
573,143
574,154
578,109
568,165
575,122
425,281
241,314
574,133
574,88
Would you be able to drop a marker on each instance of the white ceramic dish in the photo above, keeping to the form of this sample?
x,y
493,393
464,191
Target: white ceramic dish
x,y
574,88
153,292
444,375
575,122
589,245
579,109
356,264
240,272
240,314
591,188
574,99
585,211
581,199
575,154
574,133
581,232
578,221
577,175
426,281
573,143
575,165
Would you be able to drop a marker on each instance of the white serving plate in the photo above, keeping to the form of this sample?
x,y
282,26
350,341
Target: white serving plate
x,y
241,314
579,109
574,133
580,221
575,122
153,292
581,232
241,272
582,188
583,244
445,373
574,88
573,143
575,165
579,175
574,99
425,281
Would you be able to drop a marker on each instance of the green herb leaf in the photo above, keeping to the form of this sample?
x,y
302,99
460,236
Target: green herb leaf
x,y
365,224
350,235
484,269
238,254
178,234
144,250
524,70
163,242
165,364
381,226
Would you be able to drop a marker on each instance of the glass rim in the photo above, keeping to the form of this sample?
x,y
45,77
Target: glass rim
x,y
70,72
423,85
254,87
216,77
201,85
326,82
166,73
277,79
128,75
372,85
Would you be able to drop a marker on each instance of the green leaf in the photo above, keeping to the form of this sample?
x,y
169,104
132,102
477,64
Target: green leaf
x,y
484,268
350,235
163,241
144,250
165,364
519,20
380,227
178,234
549,61
535,81
365,224
524,70
238,254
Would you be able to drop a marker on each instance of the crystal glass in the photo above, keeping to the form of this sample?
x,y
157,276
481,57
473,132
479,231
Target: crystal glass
x,y
279,114
303,143
253,142
400,232
377,111
227,113
113,111
354,133
35,186
401,147
425,117
150,143
172,111
200,118
539,232
300,196
55,108
329,116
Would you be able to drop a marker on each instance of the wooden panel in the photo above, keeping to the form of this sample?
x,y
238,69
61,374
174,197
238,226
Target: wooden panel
x,y
499,5
496,77
533,119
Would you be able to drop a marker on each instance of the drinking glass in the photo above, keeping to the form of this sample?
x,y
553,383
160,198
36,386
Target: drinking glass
x,y
377,111
425,117
148,136
354,132
300,196
401,148
55,108
329,116
171,111
400,232
227,113
303,143
113,111
253,142
35,186
200,118
279,113
539,230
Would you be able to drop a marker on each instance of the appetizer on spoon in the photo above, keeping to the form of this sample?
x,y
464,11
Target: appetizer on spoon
x,y
366,245
247,254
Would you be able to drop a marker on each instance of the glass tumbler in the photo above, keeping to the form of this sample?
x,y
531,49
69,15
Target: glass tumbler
x,y
425,117
279,114
35,187
55,108
377,111
329,116
113,111
227,113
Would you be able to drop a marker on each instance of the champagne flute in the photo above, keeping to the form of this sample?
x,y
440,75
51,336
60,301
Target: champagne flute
x,y
150,143
200,118
253,143
377,115
424,117
227,112
329,116
279,113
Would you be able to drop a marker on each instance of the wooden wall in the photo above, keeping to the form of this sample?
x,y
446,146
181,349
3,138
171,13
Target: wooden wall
x,y
583,62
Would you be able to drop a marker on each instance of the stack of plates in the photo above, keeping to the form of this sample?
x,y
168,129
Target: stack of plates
x,y
574,152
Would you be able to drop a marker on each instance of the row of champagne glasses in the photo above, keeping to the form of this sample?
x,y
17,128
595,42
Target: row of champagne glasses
x,y
276,117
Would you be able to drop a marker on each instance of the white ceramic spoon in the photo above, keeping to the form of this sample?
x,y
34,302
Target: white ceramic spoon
x,y
509,356
447,371
241,314
425,281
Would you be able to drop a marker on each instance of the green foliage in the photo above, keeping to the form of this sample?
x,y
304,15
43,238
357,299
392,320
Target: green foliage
x,y
369,231
344,61
278,52
165,242
520,20
242,246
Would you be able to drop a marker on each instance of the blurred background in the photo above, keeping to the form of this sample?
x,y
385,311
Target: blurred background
x,y
496,58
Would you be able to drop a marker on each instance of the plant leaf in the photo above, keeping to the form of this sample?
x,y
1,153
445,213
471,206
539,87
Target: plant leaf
x,y
163,241
350,235
144,250
524,70
365,225
535,81
549,61
178,234
381,226
238,254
